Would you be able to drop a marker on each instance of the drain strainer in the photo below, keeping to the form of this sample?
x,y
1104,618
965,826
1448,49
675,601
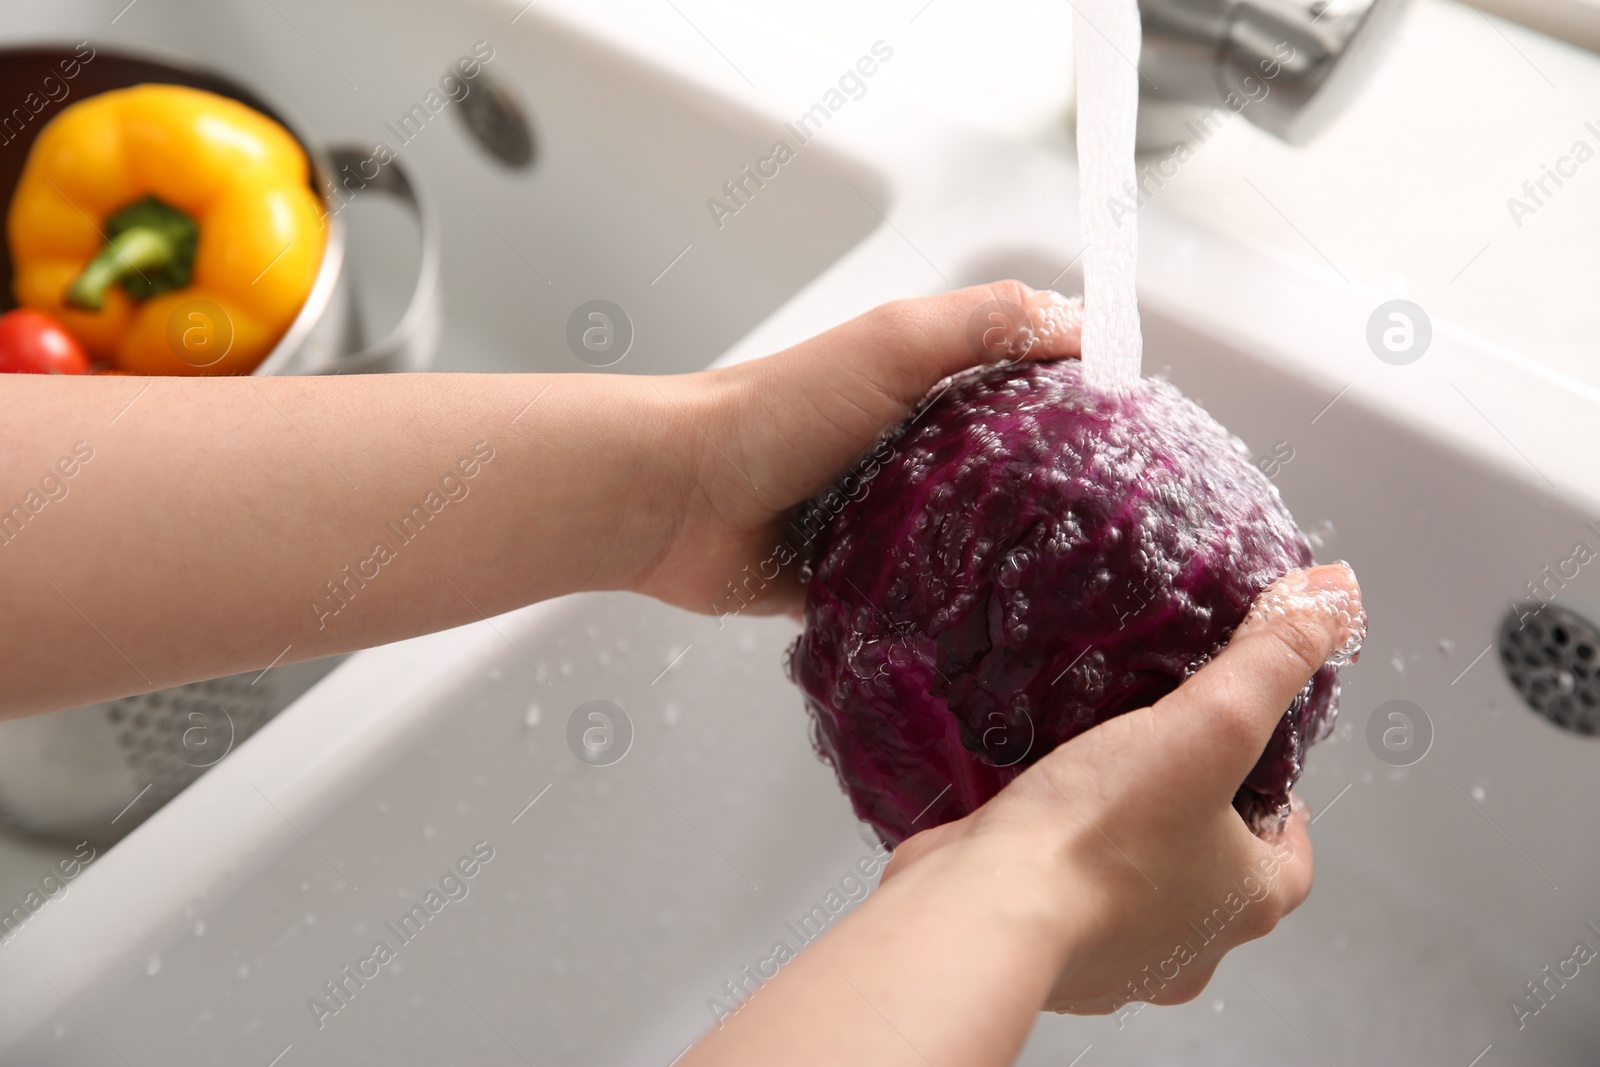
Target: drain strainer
x,y
497,122
1552,657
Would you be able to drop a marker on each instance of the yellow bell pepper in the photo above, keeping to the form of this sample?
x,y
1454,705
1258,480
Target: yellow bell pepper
x,y
172,230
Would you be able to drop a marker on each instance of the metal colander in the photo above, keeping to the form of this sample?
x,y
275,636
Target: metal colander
x,y
96,772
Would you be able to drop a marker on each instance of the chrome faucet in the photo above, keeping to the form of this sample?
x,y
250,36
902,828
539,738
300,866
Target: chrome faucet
x,y
1289,66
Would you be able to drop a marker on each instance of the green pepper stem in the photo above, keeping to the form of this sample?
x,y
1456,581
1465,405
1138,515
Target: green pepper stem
x,y
131,252
150,249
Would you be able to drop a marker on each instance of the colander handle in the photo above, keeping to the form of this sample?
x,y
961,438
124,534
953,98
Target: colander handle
x,y
410,345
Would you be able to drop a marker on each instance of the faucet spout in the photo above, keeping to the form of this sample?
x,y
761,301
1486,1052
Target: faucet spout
x,y
1289,66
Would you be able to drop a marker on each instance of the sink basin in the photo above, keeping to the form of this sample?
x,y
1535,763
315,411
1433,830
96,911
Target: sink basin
x,y
612,904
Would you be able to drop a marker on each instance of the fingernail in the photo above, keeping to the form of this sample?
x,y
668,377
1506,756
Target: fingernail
x,y
1330,590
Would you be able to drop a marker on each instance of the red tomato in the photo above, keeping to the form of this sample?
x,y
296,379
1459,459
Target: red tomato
x,y
31,342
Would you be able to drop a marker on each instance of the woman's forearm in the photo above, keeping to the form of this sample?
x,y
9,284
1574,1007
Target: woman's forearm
x,y
948,963
156,531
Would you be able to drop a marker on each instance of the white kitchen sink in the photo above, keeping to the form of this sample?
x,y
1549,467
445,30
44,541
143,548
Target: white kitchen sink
x,y
620,899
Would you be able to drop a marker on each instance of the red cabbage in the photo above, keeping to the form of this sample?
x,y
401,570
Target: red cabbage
x,y
1024,559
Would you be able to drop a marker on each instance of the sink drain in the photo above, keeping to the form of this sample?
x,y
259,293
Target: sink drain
x,y
495,120
1553,661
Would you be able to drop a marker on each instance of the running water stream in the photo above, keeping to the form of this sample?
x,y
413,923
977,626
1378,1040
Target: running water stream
x,y
1106,36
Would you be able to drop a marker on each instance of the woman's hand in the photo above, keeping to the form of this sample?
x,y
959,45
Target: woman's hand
x,y
1114,870
769,434
1150,876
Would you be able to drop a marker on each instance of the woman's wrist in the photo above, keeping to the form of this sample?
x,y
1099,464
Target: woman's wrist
x,y
1019,884
658,463
695,499
1038,887
603,476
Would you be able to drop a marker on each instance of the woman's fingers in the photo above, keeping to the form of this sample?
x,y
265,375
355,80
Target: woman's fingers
x,y
1294,877
922,341
901,349
1226,713
803,416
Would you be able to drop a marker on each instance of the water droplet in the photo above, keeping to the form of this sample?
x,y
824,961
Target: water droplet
x,y
1397,661
496,673
199,928
1479,794
1216,1005
1446,646
531,716
671,714
152,966
243,972
430,831
1012,567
